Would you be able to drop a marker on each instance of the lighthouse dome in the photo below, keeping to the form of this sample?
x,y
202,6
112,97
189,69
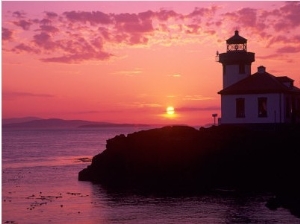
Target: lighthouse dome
x,y
236,39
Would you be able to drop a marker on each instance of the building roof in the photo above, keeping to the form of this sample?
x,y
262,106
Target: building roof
x,y
236,39
262,82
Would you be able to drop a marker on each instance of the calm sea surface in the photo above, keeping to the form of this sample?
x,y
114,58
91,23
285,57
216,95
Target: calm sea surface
x,y
39,185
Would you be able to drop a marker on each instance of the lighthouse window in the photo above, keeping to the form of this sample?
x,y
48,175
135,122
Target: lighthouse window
x,y
240,107
242,68
262,107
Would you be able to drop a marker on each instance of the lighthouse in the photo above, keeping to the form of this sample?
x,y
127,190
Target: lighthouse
x,y
259,98
236,61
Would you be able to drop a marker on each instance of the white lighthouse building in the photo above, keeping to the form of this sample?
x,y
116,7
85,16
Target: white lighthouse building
x,y
258,98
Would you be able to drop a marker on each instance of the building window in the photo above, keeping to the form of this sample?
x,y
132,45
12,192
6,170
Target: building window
x,y
240,107
242,68
262,107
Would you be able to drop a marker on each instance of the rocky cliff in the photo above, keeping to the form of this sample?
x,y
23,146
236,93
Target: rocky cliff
x,y
181,157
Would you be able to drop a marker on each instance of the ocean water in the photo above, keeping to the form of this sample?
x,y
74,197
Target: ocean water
x,y
39,185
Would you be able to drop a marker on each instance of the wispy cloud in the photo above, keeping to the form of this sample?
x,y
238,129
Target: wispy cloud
x,y
88,112
133,72
196,98
9,95
175,75
190,109
142,105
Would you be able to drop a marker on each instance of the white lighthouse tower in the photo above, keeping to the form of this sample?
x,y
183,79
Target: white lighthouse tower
x,y
236,61
259,98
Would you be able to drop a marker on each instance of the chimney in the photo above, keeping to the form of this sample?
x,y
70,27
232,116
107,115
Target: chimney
x,y
261,69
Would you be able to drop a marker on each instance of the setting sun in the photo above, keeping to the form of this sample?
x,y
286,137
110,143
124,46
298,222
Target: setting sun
x,y
170,110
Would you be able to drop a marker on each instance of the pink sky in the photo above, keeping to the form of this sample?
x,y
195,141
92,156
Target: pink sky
x,y
128,61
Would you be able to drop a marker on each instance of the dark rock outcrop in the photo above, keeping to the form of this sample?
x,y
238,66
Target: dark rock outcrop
x,y
262,158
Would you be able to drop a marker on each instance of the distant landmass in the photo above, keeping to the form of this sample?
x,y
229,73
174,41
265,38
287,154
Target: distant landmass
x,y
34,122
19,120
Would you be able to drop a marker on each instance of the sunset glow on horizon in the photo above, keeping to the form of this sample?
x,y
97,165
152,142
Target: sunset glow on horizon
x,y
135,62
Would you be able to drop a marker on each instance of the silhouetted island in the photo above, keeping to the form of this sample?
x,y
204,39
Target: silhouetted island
x,y
52,123
179,158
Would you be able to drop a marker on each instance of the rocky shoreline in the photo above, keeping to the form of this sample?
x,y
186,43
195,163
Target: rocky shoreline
x,y
247,158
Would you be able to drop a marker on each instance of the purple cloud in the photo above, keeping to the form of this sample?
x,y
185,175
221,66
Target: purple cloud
x,y
50,29
245,17
25,48
146,15
164,15
24,24
6,34
272,27
202,12
18,14
45,22
91,17
85,34
76,58
44,40
76,36
132,23
290,11
51,15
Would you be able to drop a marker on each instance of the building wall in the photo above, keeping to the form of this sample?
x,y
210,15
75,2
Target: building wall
x,y
292,114
231,74
275,109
